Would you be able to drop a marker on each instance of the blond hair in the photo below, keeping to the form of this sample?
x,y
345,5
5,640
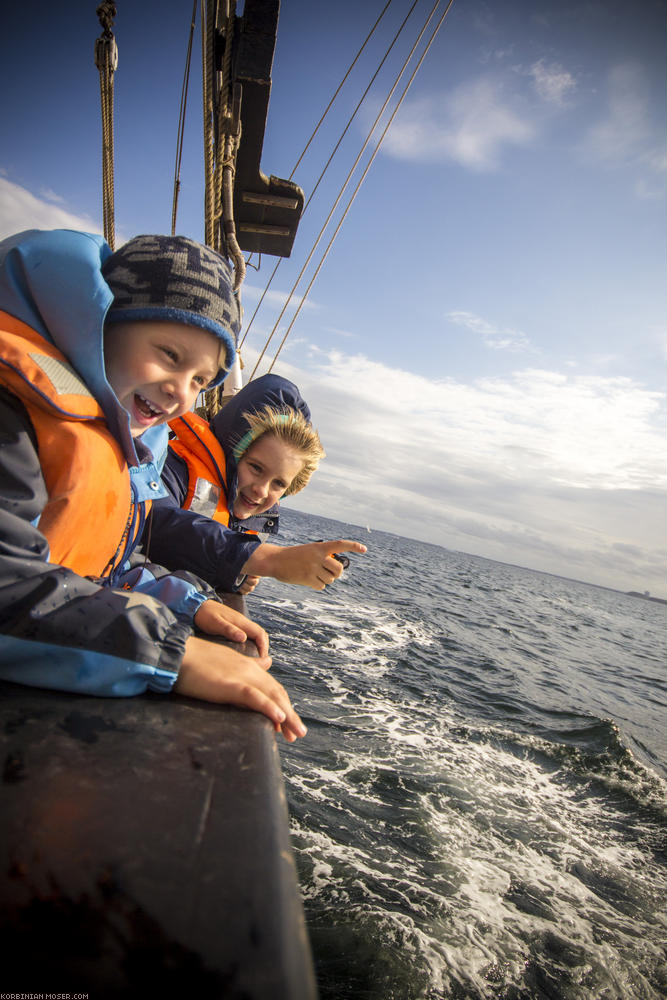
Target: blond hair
x,y
290,426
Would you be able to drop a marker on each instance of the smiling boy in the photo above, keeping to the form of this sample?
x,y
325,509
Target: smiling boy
x,y
157,369
228,477
264,474
97,352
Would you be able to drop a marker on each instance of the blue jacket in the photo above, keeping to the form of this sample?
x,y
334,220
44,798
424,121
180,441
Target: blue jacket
x,y
57,629
185,540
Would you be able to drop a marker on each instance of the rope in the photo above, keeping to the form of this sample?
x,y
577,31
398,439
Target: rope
x,y
106,60
347,181
338,143
181,122
221,148
229,224
340,85
229,132
207,61
221,144
367,168
312,136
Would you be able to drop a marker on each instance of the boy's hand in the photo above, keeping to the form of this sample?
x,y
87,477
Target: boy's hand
x,y
216,673
249,584
217,619
311,565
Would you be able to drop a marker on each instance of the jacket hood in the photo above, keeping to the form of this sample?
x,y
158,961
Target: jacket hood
x,y
230,425
52,281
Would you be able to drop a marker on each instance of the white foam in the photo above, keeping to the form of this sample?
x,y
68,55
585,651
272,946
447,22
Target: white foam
x,y
465,849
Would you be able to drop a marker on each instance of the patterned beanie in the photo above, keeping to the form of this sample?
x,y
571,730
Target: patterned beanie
x,y
177,280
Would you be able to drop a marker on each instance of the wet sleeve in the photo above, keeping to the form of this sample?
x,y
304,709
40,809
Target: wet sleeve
x,y
59,630
183,540
182,592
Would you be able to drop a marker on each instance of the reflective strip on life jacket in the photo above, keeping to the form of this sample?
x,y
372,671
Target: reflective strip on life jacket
x,y
206,499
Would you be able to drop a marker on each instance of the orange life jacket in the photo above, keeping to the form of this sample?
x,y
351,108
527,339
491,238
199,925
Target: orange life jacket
x,y
199,448
90,510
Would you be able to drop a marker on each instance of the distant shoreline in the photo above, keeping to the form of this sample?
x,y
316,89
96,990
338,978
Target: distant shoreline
x,y
476,555
645,597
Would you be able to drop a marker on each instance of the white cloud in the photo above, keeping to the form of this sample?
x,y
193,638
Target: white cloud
x,y
19,210
629,134
660,337
498,338
275,298
562,473
652,185
658,160
553,83
623,132
48,195
338,332
472,127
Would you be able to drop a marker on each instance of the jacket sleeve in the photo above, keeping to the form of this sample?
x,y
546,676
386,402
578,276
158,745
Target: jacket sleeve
x,y
182,592
175,477
183,540
59,630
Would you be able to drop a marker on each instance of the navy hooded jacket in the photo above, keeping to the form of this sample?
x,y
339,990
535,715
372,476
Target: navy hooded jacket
x,y
182,539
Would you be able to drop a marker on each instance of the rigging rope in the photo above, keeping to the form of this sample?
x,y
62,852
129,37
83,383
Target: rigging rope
x,y
340,86
106,60
338,143
181,122
310,140
347,180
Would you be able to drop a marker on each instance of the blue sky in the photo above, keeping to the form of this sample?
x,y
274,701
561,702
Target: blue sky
x,y
484,350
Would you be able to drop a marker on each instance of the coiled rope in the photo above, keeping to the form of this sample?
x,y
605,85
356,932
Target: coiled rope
x,y
221,140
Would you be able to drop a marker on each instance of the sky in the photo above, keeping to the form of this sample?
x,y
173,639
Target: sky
x,y
484,348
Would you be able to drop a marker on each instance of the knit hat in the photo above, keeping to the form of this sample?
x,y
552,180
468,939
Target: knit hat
x,y
177,280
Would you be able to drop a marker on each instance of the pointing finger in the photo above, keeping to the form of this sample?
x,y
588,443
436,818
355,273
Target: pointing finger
x,y
345,545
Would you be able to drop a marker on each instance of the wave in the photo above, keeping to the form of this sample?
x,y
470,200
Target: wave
x,y
472,813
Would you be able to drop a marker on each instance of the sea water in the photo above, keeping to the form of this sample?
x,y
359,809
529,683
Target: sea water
x,y
478,809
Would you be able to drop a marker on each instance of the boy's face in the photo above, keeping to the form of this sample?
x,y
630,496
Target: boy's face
x,y
157,369
265,471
